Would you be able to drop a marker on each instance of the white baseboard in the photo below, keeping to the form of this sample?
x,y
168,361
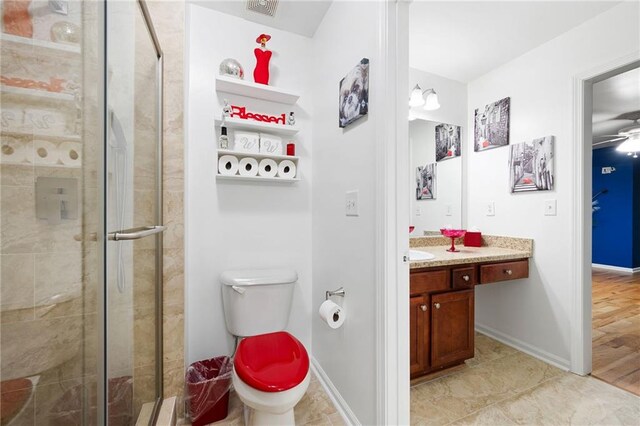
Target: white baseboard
x,y
542,355
341,405
615,268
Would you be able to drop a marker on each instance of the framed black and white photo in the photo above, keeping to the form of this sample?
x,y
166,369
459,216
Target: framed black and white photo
x,y
491,128
447,141
531,165
426,182
354,94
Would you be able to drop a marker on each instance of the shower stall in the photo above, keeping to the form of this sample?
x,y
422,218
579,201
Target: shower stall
x,y
80,213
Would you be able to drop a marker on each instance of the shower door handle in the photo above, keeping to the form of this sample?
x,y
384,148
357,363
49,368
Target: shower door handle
x,y
135,233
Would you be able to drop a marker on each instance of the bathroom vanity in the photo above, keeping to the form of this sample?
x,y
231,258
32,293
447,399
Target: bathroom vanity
x,y
442,296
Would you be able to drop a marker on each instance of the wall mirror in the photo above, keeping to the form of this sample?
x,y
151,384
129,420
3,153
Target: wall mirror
x,y
436,184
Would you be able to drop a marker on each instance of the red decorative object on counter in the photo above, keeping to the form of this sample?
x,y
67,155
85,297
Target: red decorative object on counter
x,y
453,234
473,239
291,149
263,56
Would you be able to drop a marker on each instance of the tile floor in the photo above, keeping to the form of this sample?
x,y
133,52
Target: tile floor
x,y
315,409
502,386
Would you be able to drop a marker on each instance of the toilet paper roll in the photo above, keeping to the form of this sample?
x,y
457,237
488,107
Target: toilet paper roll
x,y
228,165
45,153
332,314
267,168
248,167
14,151
287,169
70,154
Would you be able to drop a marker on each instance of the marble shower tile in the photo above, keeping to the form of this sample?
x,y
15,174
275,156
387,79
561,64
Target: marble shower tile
x,y
16,281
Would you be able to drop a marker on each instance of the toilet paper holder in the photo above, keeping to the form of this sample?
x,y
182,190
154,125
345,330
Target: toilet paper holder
x,y
339,292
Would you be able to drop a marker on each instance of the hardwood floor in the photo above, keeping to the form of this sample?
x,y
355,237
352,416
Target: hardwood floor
x,y
616,329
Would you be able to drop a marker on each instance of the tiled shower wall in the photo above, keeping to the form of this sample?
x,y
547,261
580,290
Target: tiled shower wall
x,y
168,20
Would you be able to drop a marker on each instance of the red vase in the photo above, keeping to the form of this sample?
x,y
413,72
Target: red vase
x,y
261,73
16,18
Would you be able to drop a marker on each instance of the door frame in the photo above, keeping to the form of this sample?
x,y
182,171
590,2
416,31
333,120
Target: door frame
x,y
581,238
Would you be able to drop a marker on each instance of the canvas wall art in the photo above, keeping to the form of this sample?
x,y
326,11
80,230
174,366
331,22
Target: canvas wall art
x,y
447,141
531,165
426,182
354,94
492,125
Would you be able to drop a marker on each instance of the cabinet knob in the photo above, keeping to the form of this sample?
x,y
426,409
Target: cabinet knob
x,y
437,305
465,277
508,271
423,307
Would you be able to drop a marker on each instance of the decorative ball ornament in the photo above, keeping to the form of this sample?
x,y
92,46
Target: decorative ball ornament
x,y
231,68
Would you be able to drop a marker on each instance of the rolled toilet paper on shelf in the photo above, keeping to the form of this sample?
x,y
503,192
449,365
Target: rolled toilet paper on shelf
x,y
228,165
45,153
332,314
267,168
70,154
248,167
287,169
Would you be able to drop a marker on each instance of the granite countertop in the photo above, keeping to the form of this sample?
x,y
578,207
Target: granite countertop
x,y
494,249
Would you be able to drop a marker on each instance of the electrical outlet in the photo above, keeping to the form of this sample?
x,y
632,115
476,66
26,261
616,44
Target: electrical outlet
x,y
418,211
608,170
491,208
550,207
351,203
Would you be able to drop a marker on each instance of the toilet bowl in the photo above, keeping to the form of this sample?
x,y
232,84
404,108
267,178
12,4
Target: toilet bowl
x,y
271,375
270,367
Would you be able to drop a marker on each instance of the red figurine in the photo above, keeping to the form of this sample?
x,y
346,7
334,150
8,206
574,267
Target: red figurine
x,y
263,56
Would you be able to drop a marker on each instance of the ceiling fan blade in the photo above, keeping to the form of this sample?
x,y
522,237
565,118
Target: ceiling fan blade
x,y
609,136
608,141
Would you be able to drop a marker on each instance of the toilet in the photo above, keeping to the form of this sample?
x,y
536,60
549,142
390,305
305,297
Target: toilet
x,y
270,367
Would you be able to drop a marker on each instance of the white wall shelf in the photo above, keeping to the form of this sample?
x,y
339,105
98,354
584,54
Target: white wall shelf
x,y
258,157
42,135
34,94
258,126
255,90
255,179
40,47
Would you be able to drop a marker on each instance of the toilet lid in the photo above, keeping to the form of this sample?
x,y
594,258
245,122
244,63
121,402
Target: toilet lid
x,y
272,362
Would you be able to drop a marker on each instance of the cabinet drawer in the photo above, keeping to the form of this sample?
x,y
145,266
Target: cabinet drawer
x,y
425,282
496,272
462,278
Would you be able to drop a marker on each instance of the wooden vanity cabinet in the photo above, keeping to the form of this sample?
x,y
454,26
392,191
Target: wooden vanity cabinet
x,y
451,327
442,311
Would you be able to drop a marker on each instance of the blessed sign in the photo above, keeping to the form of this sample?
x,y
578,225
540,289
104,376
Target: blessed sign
x,y
241,112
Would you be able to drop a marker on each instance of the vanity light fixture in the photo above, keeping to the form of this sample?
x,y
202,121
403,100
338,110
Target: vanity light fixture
x,y
428,98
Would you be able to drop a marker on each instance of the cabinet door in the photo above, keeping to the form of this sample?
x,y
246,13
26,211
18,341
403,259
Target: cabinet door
x,y
419,333
452,327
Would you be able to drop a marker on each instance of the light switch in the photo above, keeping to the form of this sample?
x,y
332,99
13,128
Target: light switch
x,y
550,207
351,203
448,210
491,208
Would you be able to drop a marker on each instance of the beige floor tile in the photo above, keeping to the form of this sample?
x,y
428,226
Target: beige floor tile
x,y
572,400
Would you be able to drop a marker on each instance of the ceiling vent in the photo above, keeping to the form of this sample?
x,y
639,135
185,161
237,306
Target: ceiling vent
x,y
265,7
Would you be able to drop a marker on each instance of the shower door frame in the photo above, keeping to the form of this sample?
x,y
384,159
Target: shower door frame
x,y
103,380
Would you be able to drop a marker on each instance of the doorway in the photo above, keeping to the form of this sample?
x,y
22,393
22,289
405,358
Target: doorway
x,y
615,230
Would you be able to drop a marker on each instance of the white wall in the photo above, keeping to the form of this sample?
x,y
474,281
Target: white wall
x,y
452,96
242,225
536,312
344,248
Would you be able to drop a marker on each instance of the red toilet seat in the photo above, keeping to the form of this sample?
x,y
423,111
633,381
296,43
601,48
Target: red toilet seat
x,y
273,362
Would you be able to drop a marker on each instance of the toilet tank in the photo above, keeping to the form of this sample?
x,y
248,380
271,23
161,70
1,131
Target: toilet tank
x,y
257,301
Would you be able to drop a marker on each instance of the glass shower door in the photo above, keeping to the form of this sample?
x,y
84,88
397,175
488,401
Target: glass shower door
x,y
133,213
